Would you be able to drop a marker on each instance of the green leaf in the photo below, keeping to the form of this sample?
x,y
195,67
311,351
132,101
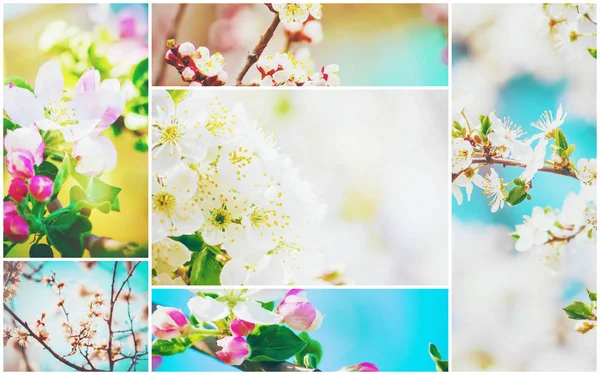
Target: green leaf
x,y
274,343
436,356
140,75
268,305
569,150
591,294
456,125
313,349
177,95
192,242
206,270
40,250
8,125
141,145
519,181
578,311
19,82
62,175
47,169
516,195
486,124
169,347
560,140
99,195
593,52
66,230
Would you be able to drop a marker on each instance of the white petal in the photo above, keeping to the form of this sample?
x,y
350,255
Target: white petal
x,y
253,312
22,106
49,83
207,309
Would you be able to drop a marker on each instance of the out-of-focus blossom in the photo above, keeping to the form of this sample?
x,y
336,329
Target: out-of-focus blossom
x,y
361,367
156,362
309,31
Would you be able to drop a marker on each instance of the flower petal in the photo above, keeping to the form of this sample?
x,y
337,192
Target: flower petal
x,y
49,83
208,309
253,312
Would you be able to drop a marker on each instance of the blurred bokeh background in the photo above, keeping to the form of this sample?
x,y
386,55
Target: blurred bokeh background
x,y
391,328
377,160
22,57
81,278
507,306
374,44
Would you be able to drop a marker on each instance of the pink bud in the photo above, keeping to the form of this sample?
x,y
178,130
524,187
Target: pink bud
x,y
235,350
241,327
156,362
298,313
10,208
19,164
18,190
16,228
168,323
41,188
361,367
188,74
186,49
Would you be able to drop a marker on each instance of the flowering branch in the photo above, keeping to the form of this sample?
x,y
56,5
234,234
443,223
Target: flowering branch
x,y
514,163
172,34
254,55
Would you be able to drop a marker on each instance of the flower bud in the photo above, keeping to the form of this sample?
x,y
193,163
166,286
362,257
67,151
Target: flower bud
x,y
186,49
172,59
26,139
156,362
169,323
298,313
19,164
235,350
188,74
16,228
361,367
18,190
583,326
241,327
41,188
10,208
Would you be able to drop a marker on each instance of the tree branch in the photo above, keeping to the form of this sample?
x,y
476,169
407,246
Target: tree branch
x,y
513,163
254,55
43,343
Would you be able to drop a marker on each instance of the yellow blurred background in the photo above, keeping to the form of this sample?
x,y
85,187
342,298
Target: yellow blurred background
x,y
22,29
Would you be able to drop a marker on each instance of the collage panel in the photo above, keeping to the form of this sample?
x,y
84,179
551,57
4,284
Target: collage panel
x,y
75,130
299,330
524,147
82,312
295,44
304,187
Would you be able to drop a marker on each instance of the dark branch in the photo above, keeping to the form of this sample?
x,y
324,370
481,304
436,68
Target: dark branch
x,y
254,55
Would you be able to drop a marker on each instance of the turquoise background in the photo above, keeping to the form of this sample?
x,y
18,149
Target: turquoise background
x,y
391,328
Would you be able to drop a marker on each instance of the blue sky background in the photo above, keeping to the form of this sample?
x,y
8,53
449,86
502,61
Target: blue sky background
x,y
524,99
391,328
34,298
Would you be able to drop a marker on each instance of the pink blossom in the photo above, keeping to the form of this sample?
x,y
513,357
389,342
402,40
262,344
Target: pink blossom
x,y
361,367
169,323
18,190
110,100
132,23
436,13
41,188
27,139
235,350
156,362
16,228
298,313
19,164
241,327
9,209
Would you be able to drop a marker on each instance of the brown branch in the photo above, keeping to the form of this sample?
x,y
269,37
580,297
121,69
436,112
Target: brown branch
x,y
172,34
513,163
566,238
111,363
254,55
43,343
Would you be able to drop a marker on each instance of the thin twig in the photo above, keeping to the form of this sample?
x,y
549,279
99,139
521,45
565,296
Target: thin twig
x,y
43,343
111,363
254,55
513,163
172,34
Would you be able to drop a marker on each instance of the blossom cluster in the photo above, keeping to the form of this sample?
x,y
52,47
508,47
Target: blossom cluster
x,y
478,146
301,21
283,69
239,319
47,123
572,27
222,189
196,66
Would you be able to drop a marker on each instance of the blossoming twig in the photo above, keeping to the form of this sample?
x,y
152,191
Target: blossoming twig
x,y
254,55
171,35
513,163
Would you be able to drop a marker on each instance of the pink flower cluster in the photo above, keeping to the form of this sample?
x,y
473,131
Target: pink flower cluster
x,y
196,65
235,349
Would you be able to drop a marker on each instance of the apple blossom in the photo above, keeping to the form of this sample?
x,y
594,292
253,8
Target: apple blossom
x,y
361,367
169,323
234,350
95,154
16,228
27,139
18,190
240,327
9,208
298,313
109,95
41,188
20,164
